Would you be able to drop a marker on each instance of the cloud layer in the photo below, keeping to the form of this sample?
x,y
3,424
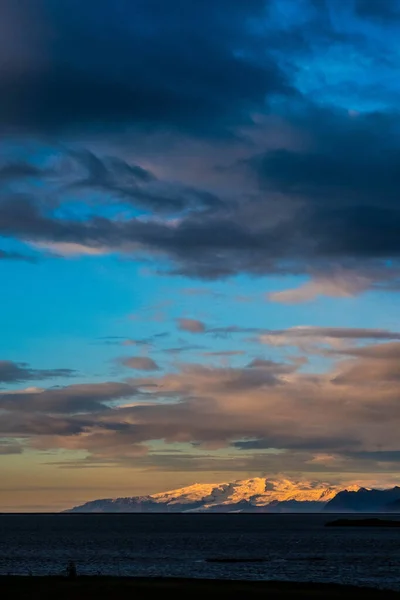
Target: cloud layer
x,y
295,182
343,420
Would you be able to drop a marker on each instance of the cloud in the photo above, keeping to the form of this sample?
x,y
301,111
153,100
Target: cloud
x,y
140,363
313,338
306,336
293,336
131,183
118,340
8,448
27,390
12,372
19,37
85,174
348,416
72,399
301,178
225,353
220,404
334,166
6,255
377,362
136,72
299,443
181,349
191,325
260,363
213,238
231,329
389,351
363,373
219,242
69,249
339,285
102,445
386,12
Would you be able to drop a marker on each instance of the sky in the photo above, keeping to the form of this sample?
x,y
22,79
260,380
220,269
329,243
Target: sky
x,y
199,245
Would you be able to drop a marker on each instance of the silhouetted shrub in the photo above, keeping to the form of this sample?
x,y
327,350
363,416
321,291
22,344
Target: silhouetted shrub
x,y
71,570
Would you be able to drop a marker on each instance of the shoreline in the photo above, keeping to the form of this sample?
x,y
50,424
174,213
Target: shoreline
x,y
85,586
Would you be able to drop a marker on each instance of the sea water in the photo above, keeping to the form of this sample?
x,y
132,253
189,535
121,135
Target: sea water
x,y
290,547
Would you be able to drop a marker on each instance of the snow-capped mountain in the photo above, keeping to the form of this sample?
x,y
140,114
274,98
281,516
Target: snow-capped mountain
x,y
249,495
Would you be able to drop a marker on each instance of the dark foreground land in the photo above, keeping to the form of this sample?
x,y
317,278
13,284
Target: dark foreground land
x,y
363,523
121,588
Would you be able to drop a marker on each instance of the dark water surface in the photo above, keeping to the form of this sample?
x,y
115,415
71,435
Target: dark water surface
x,y
287,547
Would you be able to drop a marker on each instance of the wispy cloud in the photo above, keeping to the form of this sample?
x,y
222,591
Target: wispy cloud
x,y
140,363
12,372
191,325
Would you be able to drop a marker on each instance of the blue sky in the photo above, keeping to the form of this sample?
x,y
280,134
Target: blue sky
x,y
199,245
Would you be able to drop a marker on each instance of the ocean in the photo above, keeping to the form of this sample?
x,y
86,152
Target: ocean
x,y
290,547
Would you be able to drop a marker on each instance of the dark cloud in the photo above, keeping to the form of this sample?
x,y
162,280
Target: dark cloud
x,y
388,456
385,12
120,180
111,172
95,181
349,160
6,255
218,245
146,63
25,424
79,398
12,372
345,186
322,196
19,170
340,210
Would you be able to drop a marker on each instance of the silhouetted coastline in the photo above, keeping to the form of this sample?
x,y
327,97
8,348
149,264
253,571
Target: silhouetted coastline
x,y
82,588
363,523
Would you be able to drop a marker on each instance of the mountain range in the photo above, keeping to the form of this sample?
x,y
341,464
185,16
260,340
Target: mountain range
x,y
366,500
258,494
255,495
